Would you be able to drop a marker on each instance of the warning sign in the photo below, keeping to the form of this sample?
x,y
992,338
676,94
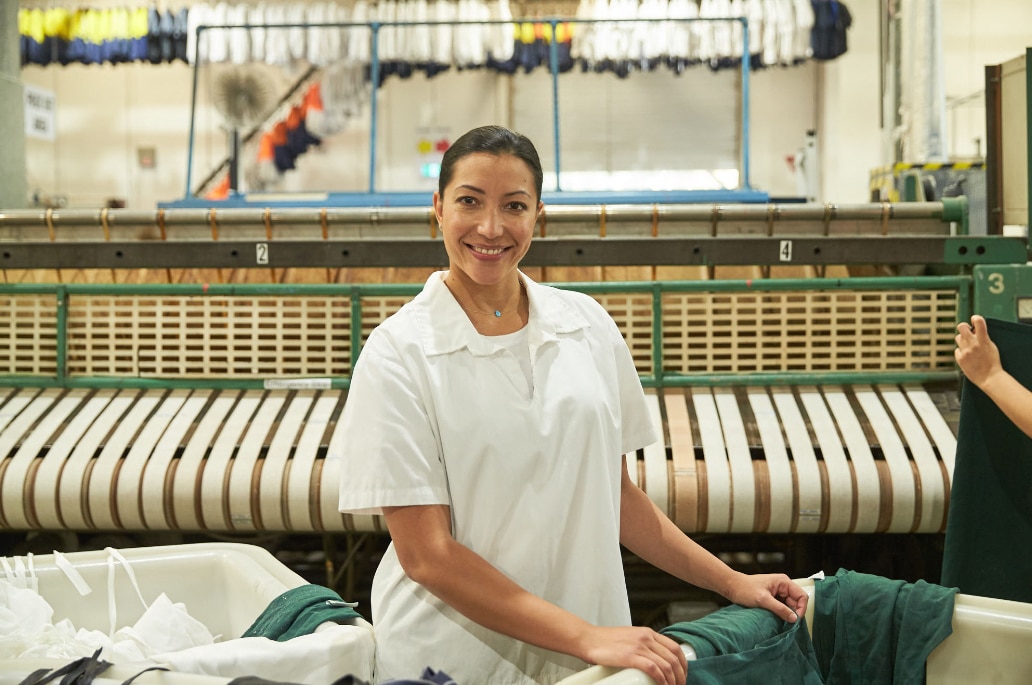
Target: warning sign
x,y
39,113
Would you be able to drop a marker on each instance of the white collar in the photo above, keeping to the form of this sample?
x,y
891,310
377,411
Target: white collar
x,y
444,327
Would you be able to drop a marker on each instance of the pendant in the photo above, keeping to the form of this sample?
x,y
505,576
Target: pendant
x,y
498,313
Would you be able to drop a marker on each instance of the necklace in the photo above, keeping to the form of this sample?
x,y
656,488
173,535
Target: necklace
x,y
497,313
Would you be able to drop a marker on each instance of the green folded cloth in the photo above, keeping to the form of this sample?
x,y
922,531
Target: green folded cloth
x,y
299,611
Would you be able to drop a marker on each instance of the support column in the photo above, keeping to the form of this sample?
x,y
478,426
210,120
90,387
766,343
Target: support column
x,y
13,185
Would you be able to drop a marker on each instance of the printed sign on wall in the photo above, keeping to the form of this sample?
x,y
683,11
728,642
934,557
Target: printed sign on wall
x,y
39,113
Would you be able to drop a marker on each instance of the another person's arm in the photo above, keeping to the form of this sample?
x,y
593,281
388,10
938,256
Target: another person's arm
x,y
468,583
979,359
647,532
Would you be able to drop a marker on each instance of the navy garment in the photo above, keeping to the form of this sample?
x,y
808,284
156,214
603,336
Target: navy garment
x,y
828,35
989,523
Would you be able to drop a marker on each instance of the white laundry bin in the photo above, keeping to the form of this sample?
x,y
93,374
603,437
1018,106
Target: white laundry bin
x,y
225,586
991,643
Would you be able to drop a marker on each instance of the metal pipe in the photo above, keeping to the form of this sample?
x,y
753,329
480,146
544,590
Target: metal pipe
x,y
948,210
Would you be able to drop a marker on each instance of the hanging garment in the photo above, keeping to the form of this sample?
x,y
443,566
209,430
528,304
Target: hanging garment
x,y
989,523
831,22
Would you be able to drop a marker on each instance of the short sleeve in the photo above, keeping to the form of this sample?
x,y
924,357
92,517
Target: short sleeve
x,y
637,429
389,450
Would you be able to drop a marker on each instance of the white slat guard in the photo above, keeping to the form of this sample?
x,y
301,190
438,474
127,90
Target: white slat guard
x,y
656,472
48,474
298,491
130,475
186,484
155,494
72,483
16,476
904,506
933,496
808,476
99,507
743,480
865,473
944,439
277,460
840,478
718,473
216,466
779,469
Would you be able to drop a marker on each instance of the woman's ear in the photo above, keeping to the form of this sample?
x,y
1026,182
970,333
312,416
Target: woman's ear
x,y
438,207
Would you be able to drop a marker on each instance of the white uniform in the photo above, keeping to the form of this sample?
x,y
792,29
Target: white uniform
x,y
439,414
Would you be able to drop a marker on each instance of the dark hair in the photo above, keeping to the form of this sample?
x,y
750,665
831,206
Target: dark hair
x,y
494,140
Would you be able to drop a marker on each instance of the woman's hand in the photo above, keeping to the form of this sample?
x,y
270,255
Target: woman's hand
x,y
656,655
775,592
977,355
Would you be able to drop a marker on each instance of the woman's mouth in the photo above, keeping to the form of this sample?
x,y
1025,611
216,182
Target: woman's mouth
x,y
487,251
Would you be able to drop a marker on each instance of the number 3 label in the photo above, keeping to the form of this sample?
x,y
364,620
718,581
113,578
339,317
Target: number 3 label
x,y
996,283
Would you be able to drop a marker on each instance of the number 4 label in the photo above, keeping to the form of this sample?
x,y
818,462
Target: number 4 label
x,y
785,252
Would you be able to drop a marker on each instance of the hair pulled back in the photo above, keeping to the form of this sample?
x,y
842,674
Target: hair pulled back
x,y
494,140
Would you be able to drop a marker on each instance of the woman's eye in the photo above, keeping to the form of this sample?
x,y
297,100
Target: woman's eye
x,y
518,206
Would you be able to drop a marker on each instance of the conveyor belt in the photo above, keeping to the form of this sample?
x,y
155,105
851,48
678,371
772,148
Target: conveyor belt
x,y
857,459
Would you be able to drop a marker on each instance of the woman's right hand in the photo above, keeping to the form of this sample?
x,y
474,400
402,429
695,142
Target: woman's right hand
x,y
654,654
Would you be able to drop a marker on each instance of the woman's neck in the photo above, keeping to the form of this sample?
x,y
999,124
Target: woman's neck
x,y
494,310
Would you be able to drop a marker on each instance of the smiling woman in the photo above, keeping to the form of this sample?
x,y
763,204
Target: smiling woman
x,y
487,204
488,420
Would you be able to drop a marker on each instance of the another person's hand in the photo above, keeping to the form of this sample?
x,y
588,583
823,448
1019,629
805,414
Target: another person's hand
x,y
976,354
656,655
775,592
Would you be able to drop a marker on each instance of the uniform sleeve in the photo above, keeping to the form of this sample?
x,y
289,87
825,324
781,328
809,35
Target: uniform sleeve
x,y
637,429
389,452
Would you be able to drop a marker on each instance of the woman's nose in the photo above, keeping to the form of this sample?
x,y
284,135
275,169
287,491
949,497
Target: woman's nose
x,y
490,225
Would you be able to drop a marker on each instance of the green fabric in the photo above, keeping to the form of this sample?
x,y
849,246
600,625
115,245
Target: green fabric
x,y
868,629
989,526
299,611
747,647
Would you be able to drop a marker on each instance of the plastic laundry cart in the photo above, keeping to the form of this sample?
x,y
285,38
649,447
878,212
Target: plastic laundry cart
x,y
991,643
224,586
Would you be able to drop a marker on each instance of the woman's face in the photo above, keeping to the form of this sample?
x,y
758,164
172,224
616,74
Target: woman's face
x,y
487,215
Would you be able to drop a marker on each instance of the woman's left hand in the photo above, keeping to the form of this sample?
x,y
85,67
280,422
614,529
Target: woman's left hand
x,y
775,592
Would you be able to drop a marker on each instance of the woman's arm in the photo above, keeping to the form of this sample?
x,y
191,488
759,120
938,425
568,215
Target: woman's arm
x,y
650,534
979,359
468,583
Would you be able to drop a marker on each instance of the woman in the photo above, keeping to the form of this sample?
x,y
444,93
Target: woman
x,y
487,420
